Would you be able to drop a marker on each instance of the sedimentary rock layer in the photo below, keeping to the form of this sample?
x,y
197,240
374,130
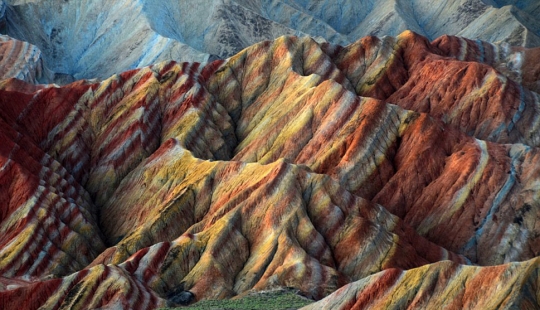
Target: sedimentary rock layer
x,y
99,287
443,285
171,186
293,163
23,61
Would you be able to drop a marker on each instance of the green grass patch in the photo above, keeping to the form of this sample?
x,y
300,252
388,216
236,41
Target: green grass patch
x,y
279,299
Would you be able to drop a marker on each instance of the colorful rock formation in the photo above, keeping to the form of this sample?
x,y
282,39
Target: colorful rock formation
x,y
388,162
23,61
443,285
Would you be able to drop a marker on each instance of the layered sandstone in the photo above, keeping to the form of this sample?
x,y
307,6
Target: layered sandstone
x,y
23,61
292,163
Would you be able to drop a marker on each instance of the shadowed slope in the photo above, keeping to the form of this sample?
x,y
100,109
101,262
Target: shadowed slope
x,y
47,221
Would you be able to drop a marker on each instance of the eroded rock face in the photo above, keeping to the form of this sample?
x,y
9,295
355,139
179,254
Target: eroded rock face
x,y
98,287
441,285
293,163
23,61
81,39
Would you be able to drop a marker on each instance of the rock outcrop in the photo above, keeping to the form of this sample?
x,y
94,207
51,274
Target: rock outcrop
x,y
292,163
23,61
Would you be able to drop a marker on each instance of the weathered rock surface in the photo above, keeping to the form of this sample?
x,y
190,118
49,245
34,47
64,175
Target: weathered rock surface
x,y
283,227
80,39
443,285
99,287
292,163
23,61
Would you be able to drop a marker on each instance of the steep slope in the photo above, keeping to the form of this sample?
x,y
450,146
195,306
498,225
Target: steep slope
x,y
217,27
530,6
292,163
520,28
282,225
516,63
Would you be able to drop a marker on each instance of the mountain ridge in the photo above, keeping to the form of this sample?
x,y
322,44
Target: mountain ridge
x,y
290,160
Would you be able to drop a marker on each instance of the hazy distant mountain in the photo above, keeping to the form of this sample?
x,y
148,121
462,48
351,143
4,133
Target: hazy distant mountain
x,y
96,38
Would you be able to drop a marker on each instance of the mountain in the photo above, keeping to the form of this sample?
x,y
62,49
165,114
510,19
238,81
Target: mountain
x,y
291,149
293,163
81,39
